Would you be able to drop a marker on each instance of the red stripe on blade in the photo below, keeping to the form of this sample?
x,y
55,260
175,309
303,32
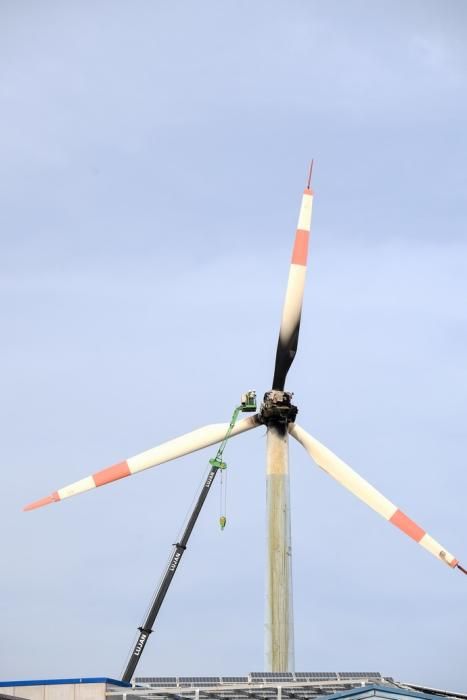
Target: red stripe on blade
x,y
404,523
43,502
113,473
300,249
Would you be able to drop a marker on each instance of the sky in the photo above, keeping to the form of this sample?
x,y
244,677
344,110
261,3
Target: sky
x,y
153,156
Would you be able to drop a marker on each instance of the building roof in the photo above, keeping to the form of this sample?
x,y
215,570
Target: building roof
x,y
256,686
278,686
63,681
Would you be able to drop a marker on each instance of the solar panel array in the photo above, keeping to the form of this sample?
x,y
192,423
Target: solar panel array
x,y
256,677
258,685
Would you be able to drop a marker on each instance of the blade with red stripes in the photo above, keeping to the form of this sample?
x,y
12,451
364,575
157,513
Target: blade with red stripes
x,y
353,482
292,310
178,447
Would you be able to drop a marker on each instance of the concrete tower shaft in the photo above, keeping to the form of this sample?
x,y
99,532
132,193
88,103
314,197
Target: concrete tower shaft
x,y
277,412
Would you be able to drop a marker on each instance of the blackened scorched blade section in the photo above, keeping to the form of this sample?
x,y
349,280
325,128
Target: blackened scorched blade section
x,y
292,310
284,357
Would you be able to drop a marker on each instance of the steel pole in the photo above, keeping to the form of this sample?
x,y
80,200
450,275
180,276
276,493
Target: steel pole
x,y
279,632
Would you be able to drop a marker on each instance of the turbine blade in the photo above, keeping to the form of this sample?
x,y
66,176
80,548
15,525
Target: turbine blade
x,y
178,447
353,482
292,310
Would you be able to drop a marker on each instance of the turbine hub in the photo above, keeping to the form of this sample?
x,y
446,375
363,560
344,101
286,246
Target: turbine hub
x,y
277,408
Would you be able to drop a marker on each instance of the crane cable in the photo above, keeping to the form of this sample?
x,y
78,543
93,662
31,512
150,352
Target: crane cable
x,y
248,405
223,499
222,466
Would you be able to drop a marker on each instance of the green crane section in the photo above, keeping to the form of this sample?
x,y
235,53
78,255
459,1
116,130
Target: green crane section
x,y
247,405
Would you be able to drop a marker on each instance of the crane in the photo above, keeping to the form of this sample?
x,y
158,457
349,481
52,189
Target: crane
x,y
247,405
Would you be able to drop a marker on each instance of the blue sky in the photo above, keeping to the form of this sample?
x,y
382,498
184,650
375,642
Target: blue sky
x,y
153,157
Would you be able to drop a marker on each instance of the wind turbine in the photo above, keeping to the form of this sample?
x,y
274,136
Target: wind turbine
x,y
278,414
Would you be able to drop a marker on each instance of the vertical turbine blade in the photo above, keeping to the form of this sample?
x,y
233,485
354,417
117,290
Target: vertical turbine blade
x,y
178,447
292,310
353,482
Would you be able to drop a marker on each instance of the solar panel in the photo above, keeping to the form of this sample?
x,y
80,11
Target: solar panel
x,y
267,676
157,679
314,676
234,679
187,681
205,684
353,674
281,674
325,674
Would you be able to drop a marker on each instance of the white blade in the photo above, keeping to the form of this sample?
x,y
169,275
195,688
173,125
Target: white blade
x,y
180,446
345,475
292,310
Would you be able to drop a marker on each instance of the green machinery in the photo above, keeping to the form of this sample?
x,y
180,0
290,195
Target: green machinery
x,y
247,405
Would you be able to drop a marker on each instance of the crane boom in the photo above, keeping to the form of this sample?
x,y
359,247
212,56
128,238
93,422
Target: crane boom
x,y
248,404
179,548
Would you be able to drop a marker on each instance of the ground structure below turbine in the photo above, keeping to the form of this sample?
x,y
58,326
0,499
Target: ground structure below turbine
x,y
281,686
254,686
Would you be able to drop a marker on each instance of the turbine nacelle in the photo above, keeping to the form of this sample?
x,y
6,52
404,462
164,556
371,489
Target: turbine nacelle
x,y
277,408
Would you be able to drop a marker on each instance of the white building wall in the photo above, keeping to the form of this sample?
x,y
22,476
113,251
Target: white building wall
x,y
65,691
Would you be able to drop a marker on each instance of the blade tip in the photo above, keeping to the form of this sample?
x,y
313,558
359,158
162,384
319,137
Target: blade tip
x,y
310,172
41,502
